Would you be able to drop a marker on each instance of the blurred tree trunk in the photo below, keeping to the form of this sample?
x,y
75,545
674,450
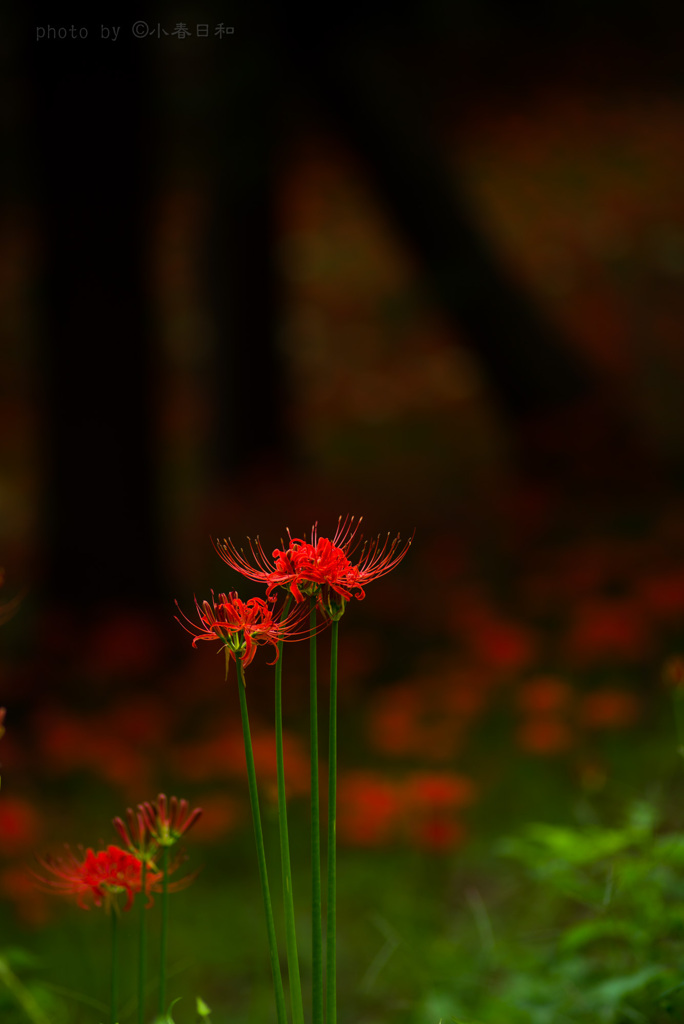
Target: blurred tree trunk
x,y
527,363
251,386
91,114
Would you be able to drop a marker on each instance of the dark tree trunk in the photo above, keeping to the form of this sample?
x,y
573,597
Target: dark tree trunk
x,y
527,363
251,386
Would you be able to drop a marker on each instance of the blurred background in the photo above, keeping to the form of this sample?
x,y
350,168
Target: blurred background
x,y
262,267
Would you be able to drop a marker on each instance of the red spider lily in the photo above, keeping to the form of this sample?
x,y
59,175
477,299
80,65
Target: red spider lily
x,y
137,838
241,626
98,876
167,822
3,712
320,567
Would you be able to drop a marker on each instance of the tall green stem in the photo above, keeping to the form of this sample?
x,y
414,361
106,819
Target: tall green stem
x,y
316,926
114,992
164,928
261,853
142,946
331,952
288,898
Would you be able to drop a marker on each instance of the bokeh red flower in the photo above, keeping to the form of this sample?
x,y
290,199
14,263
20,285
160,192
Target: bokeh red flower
x,y
97,877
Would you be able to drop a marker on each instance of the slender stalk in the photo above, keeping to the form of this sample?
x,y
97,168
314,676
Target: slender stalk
x,y
142,946
316,913
261,853
114,991
164,928
331,951
288,898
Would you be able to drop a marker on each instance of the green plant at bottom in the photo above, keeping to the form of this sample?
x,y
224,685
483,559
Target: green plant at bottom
x,y
600,928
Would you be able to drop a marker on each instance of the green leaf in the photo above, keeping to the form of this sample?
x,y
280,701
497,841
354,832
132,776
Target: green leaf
x,y
167,1018
202,1008
611,992
592,931
540,842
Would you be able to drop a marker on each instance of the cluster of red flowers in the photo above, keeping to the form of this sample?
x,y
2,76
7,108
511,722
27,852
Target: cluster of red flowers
x,y
319,568
100,877
424,807
241,626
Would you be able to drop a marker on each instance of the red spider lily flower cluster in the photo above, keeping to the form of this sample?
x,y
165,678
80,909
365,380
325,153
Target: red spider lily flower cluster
x,y
153,825
321,567
166,821
241,626
98,876
101,876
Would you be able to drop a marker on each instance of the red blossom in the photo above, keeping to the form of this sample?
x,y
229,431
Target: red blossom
x,y
136,836
97,876
241,626
319,567
167,820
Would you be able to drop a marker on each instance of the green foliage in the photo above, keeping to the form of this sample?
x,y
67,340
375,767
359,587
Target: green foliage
x,y
21,999
601,924
203,1011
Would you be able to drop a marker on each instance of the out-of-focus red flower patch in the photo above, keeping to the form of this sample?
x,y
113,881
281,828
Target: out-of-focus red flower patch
x,y
223,756
410,720
220,814
545,735
606,629
544,695
67,743
295,757
439,791
374,810
368,809
428,716
20,826
610,709
437,833
494,641
31,905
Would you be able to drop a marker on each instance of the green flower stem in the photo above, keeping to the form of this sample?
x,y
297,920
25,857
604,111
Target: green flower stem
x,y
164,928
261,853
331,951
114,991
288,898
316,917
142,945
